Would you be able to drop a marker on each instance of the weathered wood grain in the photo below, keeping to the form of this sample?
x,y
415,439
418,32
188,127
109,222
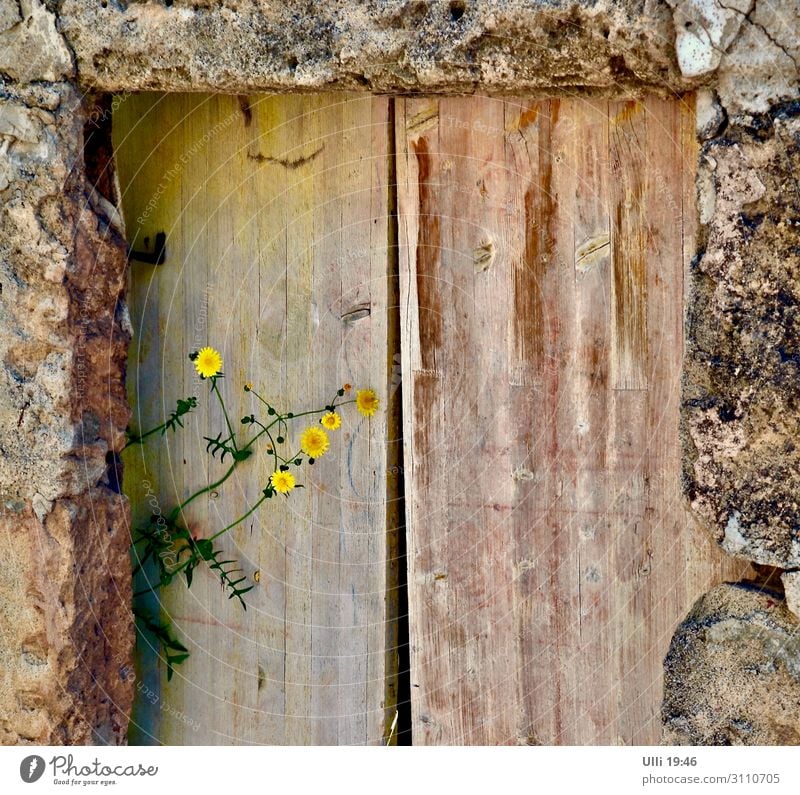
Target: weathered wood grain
x,y
275,210
542,251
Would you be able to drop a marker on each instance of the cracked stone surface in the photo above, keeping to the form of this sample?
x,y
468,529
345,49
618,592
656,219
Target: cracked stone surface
x,y
704,29
65,582
741,391
750,47
732,673
386,45
761,67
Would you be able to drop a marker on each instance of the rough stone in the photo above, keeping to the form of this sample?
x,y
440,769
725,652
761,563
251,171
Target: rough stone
x,y
704,29
383,45
66,592
749,49
65,585
732,673
791,588
761,67
67,644
31,48
741,391
9,14
709,114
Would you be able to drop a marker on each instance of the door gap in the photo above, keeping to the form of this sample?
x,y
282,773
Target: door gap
x,y
398,690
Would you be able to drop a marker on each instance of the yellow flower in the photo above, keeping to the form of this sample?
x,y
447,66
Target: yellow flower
x,y
282,481
248,386
314,442
331,420
208,362
367,402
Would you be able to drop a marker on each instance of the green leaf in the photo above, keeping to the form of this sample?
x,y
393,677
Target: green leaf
x,y
227,569
219,444
205,548
181,532
162,633
184,406
176,645
242,455
239,592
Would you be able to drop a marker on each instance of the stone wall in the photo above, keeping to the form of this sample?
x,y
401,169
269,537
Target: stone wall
x,y
65,582
65,587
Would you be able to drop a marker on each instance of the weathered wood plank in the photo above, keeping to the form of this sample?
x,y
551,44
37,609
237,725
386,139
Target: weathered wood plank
x,y
276,223
541,270
592,234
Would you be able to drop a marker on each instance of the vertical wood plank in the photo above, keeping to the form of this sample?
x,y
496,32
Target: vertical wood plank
x,y
628,127
276,225
548,546
599,685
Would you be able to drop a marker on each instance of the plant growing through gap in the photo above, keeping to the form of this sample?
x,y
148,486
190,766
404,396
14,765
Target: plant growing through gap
x,y
165,540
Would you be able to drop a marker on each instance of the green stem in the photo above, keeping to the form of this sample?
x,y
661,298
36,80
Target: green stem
x,y
238,521
253,392
142,561
176,570
291,458
256,437
265,429
281,418
317,411
176,511
140,439
215,389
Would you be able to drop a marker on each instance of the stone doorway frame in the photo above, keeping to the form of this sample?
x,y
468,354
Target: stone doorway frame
x,y
67,589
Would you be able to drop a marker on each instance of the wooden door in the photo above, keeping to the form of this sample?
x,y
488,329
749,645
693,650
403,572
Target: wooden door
x,y
275,211
541,254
